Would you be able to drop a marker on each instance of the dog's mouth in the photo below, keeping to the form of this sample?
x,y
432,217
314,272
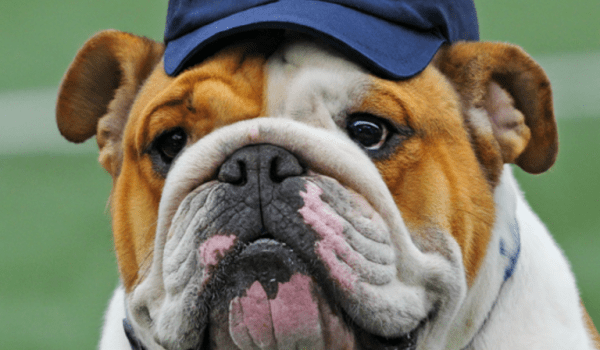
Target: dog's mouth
x,y
264,295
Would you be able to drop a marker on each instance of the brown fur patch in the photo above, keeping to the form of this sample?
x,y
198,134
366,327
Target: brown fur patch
x,y
591,328
225,89
435,176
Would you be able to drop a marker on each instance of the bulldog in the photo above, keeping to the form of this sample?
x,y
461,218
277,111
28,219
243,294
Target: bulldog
x,y
279,195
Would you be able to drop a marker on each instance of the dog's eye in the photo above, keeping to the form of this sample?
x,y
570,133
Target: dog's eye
x,y
169,144
369,131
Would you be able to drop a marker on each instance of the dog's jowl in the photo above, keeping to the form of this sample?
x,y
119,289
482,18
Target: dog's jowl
x,y
280,195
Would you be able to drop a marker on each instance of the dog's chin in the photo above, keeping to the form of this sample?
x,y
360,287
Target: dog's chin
x,y
265,296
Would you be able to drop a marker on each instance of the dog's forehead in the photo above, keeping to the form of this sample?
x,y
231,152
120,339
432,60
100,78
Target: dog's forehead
x,y
302,80
312,83
303,54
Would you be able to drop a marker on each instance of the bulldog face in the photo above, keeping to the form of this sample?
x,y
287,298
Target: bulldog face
x,y
278,196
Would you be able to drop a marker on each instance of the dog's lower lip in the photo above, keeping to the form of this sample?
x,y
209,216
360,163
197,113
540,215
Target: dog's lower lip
x,y
265,260
408,341
368,341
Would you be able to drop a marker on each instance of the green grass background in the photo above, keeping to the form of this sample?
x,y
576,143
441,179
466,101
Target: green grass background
x,y
57,264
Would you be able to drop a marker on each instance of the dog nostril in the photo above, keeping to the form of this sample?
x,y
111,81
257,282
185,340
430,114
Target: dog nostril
x,y
282,168
233,172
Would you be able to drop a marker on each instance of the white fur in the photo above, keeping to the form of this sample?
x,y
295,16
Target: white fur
x,y
539,306
113,337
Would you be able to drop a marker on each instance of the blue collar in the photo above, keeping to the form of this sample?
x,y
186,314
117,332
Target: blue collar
x,y
135,343
510,249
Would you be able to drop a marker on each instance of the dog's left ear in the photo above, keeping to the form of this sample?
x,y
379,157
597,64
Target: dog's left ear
x,y
507,102
99,87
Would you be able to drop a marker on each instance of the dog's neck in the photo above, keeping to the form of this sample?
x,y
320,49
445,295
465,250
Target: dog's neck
x,y
497,269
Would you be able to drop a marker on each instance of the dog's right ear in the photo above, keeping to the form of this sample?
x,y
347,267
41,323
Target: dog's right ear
x,y
99,87
507,100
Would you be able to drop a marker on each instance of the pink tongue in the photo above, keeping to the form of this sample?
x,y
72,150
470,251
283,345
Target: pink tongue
x,y
290,321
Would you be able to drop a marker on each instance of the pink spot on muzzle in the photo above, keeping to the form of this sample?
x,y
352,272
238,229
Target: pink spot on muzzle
x,y
328,225
253,133
214,248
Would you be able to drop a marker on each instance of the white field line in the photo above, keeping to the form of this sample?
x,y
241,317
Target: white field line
x,y
27,117
27,124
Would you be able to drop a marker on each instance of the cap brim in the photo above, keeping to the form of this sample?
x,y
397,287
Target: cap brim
x,y
386,49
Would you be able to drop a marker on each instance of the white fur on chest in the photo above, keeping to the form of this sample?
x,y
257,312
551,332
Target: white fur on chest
x,y
538,307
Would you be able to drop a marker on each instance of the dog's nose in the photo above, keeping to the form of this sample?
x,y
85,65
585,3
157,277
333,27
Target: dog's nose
x,y
264,161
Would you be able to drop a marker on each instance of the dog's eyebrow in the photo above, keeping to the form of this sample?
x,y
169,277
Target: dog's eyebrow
x,y
174,95
189,103
143,136
168,103
386,103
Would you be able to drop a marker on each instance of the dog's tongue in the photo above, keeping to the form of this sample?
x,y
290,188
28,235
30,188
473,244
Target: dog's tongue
x,y
291,318
294,319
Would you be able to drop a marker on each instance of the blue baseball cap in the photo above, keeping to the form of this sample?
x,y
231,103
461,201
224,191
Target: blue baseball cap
x,y
393,38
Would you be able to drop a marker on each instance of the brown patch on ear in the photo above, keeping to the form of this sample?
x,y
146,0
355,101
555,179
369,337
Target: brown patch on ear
x,y
99,88
504,82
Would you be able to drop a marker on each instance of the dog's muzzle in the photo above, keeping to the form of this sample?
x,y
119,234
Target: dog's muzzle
x,y
261,291
278,257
